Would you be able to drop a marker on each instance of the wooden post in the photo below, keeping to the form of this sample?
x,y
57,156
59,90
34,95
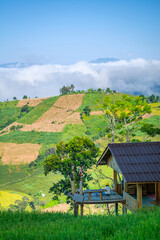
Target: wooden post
x,y
89,197
115,179
157,191
73,187
124,210
125,187
116,209
139,194
76,209
81,210
72,181
100,196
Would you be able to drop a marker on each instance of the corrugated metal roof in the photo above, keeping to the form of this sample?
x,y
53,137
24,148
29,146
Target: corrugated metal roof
x,y
138,162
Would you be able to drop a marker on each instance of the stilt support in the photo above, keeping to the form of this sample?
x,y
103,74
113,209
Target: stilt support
x,y
139,194
76,209
116,209
81,210
157,192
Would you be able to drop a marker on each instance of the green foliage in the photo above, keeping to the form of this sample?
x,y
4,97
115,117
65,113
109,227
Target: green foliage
x,y
8,115
122,113
59,226
25,108
25,97
153,98
91,98
31,137
19,205
77,152
16,127
67,89
41,157
33,115
150,129
86,112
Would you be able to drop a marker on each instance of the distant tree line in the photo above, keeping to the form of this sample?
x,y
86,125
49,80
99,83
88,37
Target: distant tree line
x,y
71,89
150,99
67,89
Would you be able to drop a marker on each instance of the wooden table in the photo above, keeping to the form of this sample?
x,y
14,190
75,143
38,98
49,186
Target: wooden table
x,y
100,191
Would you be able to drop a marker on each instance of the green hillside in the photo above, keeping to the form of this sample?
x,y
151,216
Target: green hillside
x,y
21,177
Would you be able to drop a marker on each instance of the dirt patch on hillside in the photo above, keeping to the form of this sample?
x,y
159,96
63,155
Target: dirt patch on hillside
x,y
30,102
147,115
63,207
13,153
97,113
74,118
54,114
60,114
72,102
54,120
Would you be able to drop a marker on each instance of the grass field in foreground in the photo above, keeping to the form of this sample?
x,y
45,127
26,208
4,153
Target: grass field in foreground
x,y
143,225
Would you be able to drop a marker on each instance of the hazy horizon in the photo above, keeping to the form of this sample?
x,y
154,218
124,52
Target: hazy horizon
x,y
56,39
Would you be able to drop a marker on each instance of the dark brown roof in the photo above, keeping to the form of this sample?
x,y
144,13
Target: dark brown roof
x,y
138,162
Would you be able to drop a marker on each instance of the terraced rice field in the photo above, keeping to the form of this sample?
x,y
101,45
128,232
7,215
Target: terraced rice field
x,y
60,114
13,153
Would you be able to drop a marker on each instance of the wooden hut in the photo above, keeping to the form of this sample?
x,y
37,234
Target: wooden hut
x,y
138,166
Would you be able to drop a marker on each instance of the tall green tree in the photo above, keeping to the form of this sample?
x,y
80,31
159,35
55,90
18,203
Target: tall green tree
x,y
121,114
79,152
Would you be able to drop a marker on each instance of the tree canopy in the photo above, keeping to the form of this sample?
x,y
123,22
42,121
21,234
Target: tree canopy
x,y
67,89
120,114
79,152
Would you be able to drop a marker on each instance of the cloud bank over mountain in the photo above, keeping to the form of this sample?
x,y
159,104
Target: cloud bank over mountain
x,y
133,76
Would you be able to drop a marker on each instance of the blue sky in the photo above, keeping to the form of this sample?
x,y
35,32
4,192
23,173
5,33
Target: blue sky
x,y
67,31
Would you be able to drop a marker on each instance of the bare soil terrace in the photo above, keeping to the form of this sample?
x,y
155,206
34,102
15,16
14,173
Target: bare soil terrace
x,y
33,102
60,114
13,153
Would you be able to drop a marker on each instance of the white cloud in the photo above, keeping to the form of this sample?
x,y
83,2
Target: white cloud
x,y
136,75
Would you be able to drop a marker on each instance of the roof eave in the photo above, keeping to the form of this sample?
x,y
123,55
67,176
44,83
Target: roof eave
x,y
102,156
